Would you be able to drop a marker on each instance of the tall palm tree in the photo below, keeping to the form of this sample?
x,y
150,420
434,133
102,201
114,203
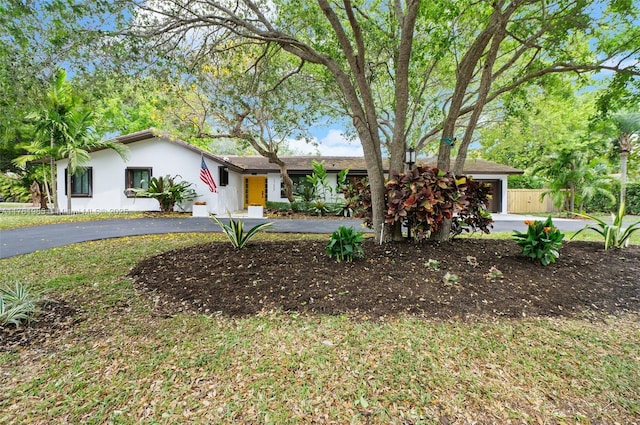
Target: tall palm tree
x,y
50,124
571,177
66,130
79,141
628,128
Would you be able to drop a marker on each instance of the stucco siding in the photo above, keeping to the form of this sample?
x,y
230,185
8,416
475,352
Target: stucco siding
x,y
163,157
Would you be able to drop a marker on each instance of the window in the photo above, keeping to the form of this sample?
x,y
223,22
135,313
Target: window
x,y
81,183
136,178
223,175
301,187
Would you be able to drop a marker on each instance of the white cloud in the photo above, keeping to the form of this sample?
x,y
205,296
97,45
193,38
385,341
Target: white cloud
x,y
334,143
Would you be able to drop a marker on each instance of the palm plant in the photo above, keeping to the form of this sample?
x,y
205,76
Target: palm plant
x,y
168,191
79,141
596,181
50,125
628,128
65,128
573,178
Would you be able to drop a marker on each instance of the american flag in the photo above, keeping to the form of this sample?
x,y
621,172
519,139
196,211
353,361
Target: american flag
x,y
206,177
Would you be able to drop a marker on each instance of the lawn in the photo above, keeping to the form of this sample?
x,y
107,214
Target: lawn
x,y
122,359
36,217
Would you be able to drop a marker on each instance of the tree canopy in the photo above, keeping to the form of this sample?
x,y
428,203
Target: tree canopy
x,y
406,73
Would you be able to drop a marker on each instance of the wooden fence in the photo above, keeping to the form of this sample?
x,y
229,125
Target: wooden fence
x,y
528,201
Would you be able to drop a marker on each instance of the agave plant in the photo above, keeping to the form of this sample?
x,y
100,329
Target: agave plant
x,y
17,304
614,234
235,232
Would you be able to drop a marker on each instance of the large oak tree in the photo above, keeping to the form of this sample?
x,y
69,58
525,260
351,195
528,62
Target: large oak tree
x,y
385,56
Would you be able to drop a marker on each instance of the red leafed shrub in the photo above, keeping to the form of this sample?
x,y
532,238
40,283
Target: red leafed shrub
x,y
474,215
423,198
357,196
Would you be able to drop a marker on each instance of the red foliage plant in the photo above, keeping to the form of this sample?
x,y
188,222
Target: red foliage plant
x,y
421,199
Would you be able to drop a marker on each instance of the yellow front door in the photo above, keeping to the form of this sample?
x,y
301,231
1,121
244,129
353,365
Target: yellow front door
x,y
255,191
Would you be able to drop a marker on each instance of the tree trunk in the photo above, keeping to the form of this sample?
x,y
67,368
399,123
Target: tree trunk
x,y
495,31
54,183
286,180
47,192
572,199
68,190
623,176
43,196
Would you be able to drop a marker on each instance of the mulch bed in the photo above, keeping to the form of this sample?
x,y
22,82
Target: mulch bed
x,y
393,279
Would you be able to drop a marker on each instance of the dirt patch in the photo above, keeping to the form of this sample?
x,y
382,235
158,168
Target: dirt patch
x,y
54,317
392,279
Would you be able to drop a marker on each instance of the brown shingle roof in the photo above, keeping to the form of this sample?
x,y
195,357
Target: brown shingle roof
x,y
356,165
302,164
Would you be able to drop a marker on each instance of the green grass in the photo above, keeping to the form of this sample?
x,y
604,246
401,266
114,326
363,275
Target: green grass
x,y
7,205
35,217
126,363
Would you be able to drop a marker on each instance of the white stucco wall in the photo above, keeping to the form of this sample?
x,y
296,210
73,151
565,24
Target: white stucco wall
x,y
163,157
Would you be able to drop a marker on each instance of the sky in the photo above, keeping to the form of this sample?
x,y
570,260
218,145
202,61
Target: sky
x,y
331,142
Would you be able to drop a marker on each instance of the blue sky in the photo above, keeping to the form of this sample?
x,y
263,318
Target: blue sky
x,y
331,142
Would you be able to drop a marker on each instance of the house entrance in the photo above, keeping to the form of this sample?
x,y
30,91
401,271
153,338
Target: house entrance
x,y
255,191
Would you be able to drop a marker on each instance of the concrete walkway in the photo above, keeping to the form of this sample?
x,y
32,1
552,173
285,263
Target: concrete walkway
x,y
29,239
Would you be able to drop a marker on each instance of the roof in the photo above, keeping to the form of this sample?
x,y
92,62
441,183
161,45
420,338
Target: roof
x,y
356,165
153,133
302,164
299,164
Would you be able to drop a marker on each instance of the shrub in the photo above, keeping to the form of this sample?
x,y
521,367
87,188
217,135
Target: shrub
x,y
18,304
168,191
302,206
345,244
319,180
474,215
320,207
633,199
235,233
422,199
615,234
541,241
279,206
357,200
14,188
602,203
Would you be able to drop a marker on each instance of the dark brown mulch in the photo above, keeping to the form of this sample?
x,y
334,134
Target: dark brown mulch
x,y
392,279
54,317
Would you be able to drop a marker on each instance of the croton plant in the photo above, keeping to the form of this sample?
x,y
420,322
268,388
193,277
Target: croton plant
x,y
421,199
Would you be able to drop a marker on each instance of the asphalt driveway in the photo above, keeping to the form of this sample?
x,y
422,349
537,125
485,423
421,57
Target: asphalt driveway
x,y
29,239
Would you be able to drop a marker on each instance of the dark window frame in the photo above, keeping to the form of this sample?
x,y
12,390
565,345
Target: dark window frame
x,y
128,179
88,171
223,175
